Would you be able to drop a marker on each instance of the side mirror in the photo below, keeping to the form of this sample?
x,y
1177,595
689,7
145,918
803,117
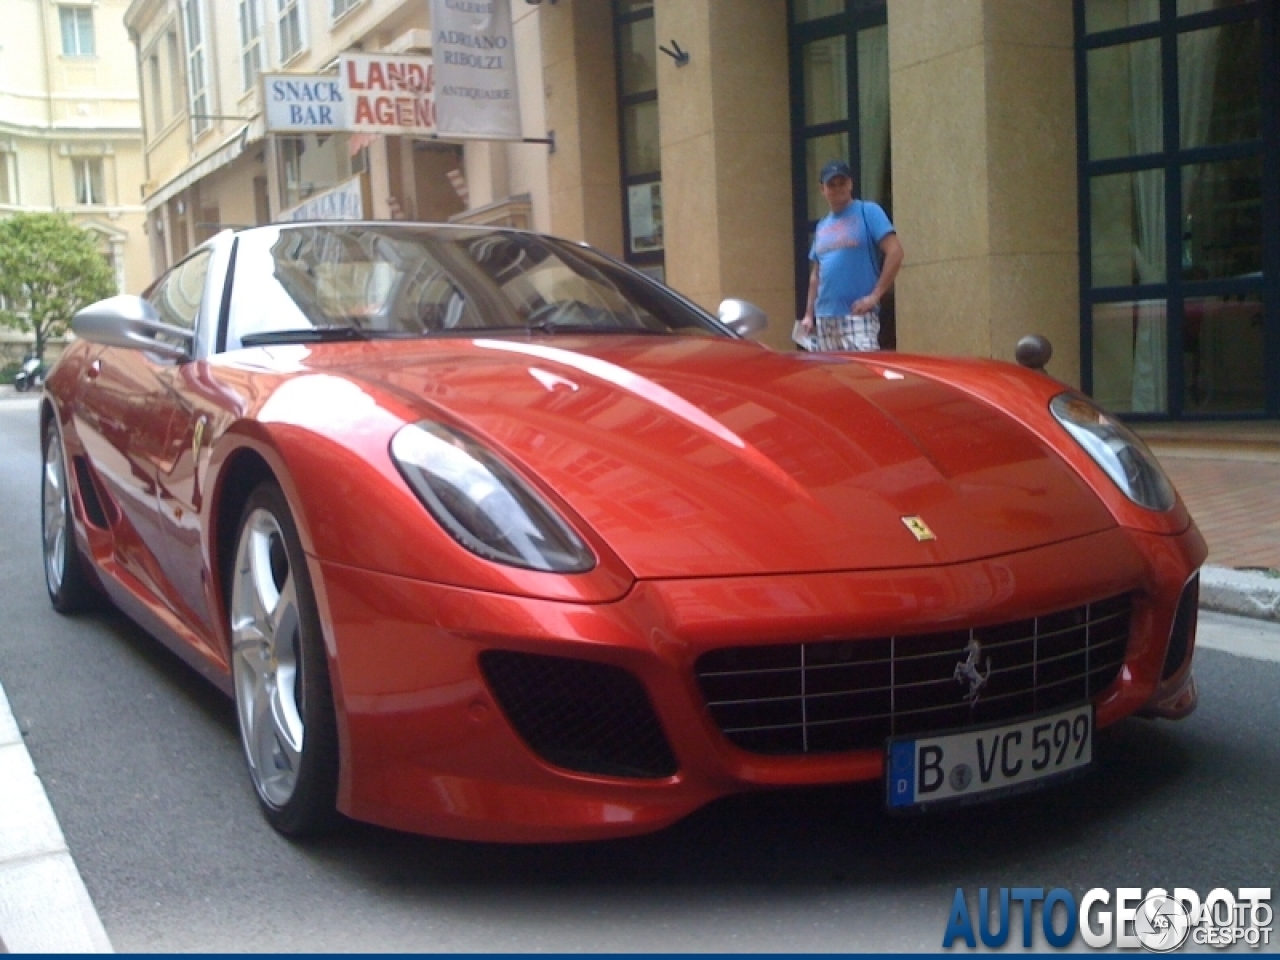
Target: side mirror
x,y
1033,351
132,323
743,318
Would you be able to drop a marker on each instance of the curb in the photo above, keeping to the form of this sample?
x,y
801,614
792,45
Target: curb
x,y
44,906
1243,593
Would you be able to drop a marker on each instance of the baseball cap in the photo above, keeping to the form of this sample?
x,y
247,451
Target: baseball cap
x,y
835,168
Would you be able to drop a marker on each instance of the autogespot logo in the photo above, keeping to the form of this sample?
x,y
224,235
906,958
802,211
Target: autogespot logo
x,y
1156,920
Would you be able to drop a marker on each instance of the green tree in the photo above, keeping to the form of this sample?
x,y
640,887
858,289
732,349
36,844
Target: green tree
x,y
49,269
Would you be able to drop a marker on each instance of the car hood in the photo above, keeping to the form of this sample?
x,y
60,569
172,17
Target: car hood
x,y
695,456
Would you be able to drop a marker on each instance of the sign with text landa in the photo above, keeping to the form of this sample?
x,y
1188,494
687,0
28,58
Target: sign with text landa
x,y
388,93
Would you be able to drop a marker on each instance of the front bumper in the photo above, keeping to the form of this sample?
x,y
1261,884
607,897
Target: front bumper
x,y
426,745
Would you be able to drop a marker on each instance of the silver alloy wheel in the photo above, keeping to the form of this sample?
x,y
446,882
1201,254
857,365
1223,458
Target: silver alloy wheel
x,y
265,640
53,490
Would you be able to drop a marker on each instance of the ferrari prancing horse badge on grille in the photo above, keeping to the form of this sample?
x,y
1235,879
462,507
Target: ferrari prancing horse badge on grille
x,y
919,529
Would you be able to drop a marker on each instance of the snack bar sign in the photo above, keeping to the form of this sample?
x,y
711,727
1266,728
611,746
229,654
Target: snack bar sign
x,y
388,93
302,103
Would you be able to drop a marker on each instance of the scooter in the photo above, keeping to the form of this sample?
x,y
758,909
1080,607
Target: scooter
x,y
31,374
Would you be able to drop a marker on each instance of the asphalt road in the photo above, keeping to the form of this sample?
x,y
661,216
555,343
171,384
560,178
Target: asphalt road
x,y
141,761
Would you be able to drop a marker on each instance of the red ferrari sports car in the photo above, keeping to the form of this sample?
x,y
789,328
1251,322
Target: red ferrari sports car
x,y
490,536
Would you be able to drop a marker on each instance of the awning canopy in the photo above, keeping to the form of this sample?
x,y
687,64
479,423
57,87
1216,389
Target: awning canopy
x,y
217,158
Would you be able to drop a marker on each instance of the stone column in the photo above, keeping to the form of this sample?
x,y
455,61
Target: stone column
x,y
726,160
984,176
381,185
584,173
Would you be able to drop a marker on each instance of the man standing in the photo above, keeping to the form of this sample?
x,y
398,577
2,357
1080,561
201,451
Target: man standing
x,y
848,277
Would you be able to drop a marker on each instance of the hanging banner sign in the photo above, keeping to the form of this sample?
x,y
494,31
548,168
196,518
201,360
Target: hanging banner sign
x,y
476,95
388,93
303,103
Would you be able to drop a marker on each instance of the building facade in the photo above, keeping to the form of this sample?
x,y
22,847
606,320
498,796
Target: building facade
x,y
1104,172
70,139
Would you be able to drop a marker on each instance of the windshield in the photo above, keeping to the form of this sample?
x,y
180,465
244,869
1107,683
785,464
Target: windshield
x,y
394,280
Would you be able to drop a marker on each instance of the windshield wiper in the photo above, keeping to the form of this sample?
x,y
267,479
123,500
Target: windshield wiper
x,y
324,334
547,326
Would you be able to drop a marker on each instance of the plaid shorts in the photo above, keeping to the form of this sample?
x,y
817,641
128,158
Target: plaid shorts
x,y
857,331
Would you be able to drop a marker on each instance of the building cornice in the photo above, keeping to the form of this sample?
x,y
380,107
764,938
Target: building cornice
x,y
44,132
90,96
140,12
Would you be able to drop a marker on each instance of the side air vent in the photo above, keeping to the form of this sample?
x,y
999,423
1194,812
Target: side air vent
x,y
580,715
93,510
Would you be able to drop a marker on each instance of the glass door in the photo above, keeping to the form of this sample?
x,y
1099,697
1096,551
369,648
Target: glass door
x,y
839,53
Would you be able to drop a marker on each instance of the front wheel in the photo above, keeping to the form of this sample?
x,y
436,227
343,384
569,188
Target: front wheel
x,y
284,702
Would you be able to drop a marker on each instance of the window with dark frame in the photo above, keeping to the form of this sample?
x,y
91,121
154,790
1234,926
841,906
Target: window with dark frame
x,y
1179,170
640,149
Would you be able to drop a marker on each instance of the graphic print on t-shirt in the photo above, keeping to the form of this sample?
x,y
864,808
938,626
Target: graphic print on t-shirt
x,y
835,233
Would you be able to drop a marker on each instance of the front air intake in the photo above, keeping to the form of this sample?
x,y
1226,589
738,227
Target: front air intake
x,y
1184,628
829,696
580,715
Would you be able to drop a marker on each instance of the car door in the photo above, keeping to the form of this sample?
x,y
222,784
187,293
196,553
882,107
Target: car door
x,y
199,406
123,419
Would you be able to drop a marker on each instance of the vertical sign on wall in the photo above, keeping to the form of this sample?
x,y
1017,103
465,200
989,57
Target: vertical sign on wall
x,y
474,55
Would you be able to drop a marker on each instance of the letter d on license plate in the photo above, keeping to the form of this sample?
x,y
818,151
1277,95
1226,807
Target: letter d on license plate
x,y
983,762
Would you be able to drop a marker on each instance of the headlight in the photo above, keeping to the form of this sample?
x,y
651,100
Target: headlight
x,y
1116,449
482,503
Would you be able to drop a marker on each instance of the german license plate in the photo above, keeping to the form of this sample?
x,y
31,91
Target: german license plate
x,y
983,762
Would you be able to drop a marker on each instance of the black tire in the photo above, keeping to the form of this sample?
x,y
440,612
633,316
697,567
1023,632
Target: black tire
x,y
280,668
70,589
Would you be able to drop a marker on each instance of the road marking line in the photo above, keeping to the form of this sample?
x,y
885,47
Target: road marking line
x,y
1239,636
44,905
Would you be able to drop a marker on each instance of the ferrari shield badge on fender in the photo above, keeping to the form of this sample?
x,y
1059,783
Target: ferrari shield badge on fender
x,y
919,529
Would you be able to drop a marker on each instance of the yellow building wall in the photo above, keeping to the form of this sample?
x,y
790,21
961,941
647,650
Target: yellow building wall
x,y
57,108
724,122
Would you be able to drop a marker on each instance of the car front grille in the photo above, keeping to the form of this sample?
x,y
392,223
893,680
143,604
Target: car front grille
x,y
830,696
580,715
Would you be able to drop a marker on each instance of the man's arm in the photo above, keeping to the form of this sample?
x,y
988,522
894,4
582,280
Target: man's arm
x,y
812,301
891,248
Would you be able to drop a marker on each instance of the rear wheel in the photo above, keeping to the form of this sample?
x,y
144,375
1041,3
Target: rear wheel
x,y
69,587
284,702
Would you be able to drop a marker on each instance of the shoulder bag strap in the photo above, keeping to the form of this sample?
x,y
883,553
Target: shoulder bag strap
x,y
872,250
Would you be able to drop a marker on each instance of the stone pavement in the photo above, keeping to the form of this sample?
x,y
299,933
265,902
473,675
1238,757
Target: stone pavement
x,y
1229,476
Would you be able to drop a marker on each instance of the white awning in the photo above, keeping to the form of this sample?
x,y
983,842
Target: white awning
x,y
219,157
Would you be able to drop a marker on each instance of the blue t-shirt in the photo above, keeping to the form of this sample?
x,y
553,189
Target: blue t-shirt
x,y
846,271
